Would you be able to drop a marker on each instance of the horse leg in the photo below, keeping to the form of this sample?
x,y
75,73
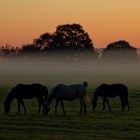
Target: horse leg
x,y
123,102
18,107
56,105
62,105
108,104
123,106
81,106
39,108
104,103
127,103
23,106
40,102
85,110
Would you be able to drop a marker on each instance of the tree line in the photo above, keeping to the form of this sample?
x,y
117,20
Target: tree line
x,y
70,40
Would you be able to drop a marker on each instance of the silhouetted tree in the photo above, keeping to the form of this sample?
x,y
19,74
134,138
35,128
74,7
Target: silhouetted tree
x,y
69,40
72,41
119,50
44,42
8,50
72,37
29,49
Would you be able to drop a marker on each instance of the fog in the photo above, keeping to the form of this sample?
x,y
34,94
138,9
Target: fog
x,y
53,71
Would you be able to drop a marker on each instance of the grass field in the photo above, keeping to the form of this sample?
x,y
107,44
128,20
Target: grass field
x,y
97,125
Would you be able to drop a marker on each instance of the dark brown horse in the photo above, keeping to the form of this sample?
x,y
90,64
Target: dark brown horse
x,y
22,91
67,92
112,90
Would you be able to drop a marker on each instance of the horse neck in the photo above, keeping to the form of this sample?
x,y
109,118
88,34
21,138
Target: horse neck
x,y
95,97
9,98
50,98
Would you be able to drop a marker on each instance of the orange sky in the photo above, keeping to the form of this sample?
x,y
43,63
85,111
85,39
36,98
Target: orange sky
x,y
105,20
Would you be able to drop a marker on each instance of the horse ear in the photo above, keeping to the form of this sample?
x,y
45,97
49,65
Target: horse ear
x,y
85,83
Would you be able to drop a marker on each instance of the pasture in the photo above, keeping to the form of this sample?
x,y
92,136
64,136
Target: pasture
x,y
96,125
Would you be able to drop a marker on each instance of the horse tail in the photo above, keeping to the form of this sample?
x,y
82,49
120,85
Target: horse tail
x,y
45,93
126,99
127,102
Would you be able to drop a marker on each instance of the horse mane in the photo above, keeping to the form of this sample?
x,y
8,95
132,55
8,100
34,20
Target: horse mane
x,y
50,96
10,95
96,94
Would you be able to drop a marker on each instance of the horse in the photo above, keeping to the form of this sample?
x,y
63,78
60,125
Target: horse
x,y
112,90
69,93
22,91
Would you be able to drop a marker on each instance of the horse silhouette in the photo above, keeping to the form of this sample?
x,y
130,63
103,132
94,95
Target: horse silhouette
x,y
30,91
69,93
112,90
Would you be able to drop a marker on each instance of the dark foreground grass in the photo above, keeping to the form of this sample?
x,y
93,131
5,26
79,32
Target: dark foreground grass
x,y
97,125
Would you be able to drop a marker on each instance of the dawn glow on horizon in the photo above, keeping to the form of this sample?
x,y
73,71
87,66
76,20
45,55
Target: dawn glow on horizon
x,y
105,21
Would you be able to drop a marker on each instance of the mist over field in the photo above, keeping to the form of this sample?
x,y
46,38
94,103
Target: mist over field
x,y
54,71
96,124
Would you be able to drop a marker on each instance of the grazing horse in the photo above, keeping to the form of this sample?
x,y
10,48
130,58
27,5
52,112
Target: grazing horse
x,y
112,90
30,91
67,92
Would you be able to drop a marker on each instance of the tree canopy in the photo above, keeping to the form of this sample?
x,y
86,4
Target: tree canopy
x,y
119,49
72,37
68,39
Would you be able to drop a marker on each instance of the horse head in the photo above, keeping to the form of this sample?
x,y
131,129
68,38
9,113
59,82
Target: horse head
x,y
46,108
94,104
7,107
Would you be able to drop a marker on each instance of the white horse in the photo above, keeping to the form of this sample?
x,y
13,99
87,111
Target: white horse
x,y
69,93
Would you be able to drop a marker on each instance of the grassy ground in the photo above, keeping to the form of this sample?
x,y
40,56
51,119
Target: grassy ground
x,y
97,125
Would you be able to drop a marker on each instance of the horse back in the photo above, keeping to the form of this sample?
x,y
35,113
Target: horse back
x,y
121,89
69,92
111,90
79,89
29,91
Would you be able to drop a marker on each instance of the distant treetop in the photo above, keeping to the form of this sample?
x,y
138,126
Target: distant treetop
x,y
119,45
119,49
72,37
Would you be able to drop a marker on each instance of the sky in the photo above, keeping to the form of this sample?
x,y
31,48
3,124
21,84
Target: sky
x,y
106,21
